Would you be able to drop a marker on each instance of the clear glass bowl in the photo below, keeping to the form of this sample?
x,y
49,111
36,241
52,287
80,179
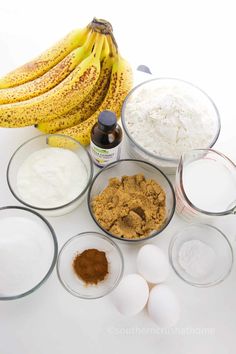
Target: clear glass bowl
x,y
77,244
221,263
40,142
47,230
131,167
137,151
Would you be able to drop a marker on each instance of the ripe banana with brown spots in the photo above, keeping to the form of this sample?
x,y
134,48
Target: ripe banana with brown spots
x,y
59,100
120,85
51,78
91,102
45,61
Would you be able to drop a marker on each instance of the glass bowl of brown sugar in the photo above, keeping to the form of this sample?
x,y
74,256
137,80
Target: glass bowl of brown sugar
x,y
90,265
131,200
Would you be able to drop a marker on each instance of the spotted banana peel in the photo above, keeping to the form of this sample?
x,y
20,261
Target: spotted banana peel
x,y
59,100
45,61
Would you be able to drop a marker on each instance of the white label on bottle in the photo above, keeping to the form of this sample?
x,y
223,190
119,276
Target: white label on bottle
x,y
103,157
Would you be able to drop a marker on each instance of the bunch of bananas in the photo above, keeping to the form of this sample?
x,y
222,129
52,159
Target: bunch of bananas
x,y
65,88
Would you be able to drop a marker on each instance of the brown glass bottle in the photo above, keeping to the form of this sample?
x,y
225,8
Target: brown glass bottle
x,y
106,138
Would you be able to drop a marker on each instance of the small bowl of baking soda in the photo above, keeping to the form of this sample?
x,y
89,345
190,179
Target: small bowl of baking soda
x,y
201,255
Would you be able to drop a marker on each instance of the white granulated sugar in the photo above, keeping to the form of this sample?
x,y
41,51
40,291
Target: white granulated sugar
x,y
169,120
197,258
26,253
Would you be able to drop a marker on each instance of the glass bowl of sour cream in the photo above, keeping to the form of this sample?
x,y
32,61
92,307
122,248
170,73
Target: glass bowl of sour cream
x,y
50,173
165,117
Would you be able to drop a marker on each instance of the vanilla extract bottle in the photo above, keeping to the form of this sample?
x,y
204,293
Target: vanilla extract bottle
x,y
106,139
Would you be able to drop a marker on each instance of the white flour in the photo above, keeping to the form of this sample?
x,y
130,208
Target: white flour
x,y
196,258
26,253
170,119
51,177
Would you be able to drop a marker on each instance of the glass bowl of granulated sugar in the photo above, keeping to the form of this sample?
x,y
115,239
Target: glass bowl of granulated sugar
x,y
163,118
28,251
201,255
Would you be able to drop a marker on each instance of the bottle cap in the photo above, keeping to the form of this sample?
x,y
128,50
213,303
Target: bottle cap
x,y
107,120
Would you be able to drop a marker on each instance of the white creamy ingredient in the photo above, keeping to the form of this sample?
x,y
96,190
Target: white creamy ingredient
x,y
169,120
26,253
51,177
209,185
197,258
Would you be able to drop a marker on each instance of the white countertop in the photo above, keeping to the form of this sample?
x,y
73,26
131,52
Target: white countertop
x,y
184,40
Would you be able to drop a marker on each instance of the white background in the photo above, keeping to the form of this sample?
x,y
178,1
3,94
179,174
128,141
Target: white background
x,y
191,40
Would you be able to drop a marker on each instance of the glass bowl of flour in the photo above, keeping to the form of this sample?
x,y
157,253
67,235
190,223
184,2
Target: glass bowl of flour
x,y
163,118
28,251
201,255
50,173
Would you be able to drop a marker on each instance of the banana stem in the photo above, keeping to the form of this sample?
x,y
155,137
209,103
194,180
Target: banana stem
x,y
105,49
85,31
112,45
103,22
101,26
114,41
98,45
88,45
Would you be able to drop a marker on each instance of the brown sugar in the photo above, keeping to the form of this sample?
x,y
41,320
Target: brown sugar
x,y
130,208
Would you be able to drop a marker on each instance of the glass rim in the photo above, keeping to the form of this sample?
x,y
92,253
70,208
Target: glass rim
x,y
54,258
158,157
157,232
90,177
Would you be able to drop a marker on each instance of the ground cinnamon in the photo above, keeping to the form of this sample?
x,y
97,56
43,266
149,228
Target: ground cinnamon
x,y
91,266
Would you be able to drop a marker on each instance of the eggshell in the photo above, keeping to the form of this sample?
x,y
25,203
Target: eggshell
x,y
163,306
131,295
153,264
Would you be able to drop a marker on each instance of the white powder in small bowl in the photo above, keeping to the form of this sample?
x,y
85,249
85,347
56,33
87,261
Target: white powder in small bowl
x,y
197,258
168,117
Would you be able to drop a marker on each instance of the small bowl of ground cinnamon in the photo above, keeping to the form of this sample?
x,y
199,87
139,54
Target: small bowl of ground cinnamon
x,y
90,265
131,200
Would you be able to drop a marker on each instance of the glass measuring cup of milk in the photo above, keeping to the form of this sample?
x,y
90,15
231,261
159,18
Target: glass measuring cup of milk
x,y
205,185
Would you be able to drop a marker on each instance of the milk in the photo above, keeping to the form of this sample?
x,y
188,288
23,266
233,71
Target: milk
x,y
209,185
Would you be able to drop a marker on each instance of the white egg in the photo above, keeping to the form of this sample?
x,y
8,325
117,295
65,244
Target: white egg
x,y
163,306
131,295
153,264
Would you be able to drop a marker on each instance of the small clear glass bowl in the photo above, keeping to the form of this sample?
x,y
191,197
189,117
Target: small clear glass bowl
x,y
76,245
41,142
131,167
32,216
137,151
221,263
